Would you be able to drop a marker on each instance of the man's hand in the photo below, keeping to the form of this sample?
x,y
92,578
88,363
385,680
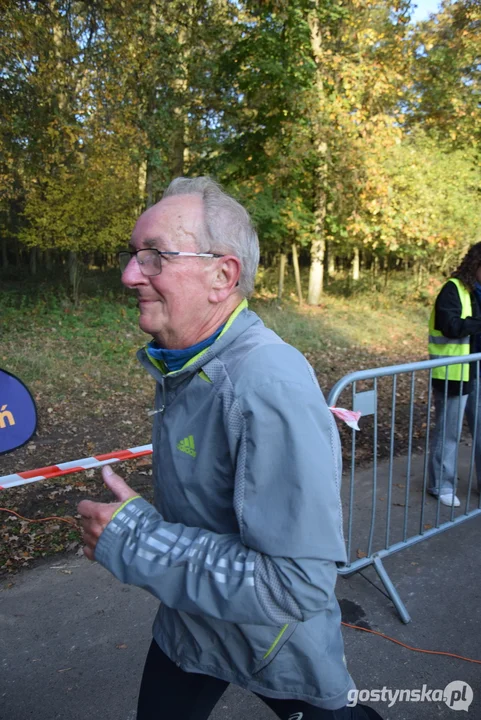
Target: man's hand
x,y
95,516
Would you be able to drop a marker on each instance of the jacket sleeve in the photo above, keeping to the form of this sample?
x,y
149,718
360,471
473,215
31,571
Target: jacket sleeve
x,y
448,315
281,567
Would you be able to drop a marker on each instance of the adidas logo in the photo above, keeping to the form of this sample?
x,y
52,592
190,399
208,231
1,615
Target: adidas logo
x,y
187,445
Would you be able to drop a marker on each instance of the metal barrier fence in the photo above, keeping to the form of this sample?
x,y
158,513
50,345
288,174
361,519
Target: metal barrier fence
x,y
372,527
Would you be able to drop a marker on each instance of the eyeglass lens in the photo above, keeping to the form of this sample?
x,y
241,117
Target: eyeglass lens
x,y
149,261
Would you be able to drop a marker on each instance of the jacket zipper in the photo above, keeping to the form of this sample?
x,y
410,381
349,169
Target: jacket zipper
x,y
161,410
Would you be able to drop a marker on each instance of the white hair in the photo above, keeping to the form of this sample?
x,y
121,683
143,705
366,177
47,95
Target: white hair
x,y
228,226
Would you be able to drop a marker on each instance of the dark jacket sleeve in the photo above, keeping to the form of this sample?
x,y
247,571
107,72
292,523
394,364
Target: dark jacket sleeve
x,y
448,314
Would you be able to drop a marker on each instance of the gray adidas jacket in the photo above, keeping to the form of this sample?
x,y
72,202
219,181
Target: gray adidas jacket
x,y
242,544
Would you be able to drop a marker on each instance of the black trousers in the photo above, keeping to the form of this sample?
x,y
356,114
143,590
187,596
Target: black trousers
x,y
168,692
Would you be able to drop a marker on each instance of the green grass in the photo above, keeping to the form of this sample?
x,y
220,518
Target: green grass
x,y
92,397
363,321
345,324
60,349
45,337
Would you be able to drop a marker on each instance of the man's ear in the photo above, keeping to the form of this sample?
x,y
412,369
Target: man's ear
x,y
226,278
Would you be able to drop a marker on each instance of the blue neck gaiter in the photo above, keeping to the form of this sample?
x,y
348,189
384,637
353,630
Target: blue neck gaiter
x,y
176,359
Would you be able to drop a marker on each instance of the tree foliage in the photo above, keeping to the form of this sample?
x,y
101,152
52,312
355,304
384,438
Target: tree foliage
x,y
334,121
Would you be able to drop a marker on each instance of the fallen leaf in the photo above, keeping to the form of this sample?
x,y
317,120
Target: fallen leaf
x,y
144,461
361,553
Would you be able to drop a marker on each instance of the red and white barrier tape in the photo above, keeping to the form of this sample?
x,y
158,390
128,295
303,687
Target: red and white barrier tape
x,y
45,473
350,417
51,471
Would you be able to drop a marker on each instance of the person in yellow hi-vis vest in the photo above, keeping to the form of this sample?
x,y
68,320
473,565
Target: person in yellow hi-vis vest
x,y
455,330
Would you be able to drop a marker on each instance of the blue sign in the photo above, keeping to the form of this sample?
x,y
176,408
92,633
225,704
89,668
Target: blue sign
x,y
18,414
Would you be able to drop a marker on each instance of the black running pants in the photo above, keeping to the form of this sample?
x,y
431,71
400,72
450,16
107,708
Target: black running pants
x,y
168,693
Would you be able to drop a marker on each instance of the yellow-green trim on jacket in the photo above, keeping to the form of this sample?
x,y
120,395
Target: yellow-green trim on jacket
x,y
126,502
161,365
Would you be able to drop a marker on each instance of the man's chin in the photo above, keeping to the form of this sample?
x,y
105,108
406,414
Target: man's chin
x,y
147,326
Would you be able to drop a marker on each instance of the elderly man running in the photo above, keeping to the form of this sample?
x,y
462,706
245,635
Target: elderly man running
x,y
242,543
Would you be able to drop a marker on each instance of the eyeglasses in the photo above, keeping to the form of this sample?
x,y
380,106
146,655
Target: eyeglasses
x,y
150,259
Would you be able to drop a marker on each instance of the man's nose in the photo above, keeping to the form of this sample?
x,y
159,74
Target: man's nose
x,y
132,275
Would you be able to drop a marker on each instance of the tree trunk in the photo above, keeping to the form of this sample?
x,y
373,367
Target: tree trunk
x,y
419,274
149,193
444,261
180,151
386,271
18,256
316,272
4,253
331,265
318,247
74,275
57,44
355,265
33,261
143,185
147,169
282,272
297,274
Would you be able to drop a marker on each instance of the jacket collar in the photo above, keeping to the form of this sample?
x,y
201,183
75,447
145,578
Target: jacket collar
x,y
241,319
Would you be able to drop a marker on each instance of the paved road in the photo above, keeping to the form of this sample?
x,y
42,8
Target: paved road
x,y
73,639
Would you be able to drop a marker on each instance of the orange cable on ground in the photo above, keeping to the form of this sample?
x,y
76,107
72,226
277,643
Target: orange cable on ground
x,y
70,522
414,649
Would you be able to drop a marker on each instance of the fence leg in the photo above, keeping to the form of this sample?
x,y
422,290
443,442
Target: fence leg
x,y
391,590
